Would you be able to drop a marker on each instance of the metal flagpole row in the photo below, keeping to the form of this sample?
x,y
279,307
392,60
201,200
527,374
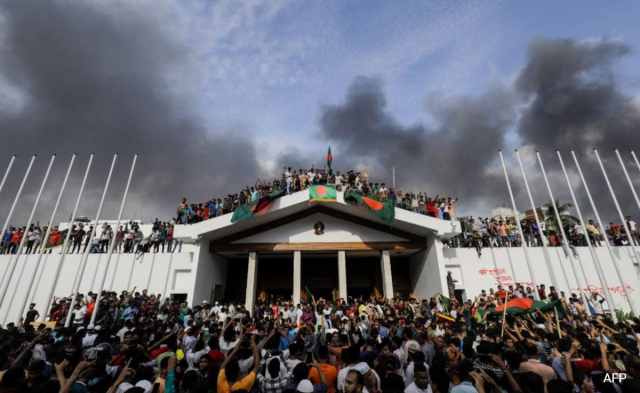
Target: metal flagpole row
x,y
605,288
543,238
12,208
37,273
85,254
626,230
594,255
6,174
16,257
565,239
65,243
523,244
113,242
633,190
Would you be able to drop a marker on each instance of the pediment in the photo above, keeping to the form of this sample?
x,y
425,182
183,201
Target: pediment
x,y
334,230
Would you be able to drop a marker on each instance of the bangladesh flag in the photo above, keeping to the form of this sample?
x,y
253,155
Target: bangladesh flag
x,y
383,210
516,306
261,207
322,193
329,158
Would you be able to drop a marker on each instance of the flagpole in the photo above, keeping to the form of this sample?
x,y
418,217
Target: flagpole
x,y
633,189
15,259
606,239
635,158
626,230
543,238
37,273
133,266
504,313
153,263
523,244
166,279
13,206
563,233
85,255
115,269
113,242
6,172
393,177
65,243
2,183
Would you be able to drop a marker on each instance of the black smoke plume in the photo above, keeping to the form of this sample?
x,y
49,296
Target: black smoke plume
x,y
80,78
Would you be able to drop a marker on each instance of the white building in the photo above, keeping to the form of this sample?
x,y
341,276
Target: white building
x,y
330,248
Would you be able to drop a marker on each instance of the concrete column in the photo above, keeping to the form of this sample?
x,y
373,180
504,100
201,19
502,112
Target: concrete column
x,y
387,278
342,274
297,276
252,281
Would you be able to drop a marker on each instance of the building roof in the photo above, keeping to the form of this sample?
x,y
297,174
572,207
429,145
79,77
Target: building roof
x,y
299,203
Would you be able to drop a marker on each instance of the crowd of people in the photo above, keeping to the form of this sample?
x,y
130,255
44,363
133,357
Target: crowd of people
x,y
145,343
128,238
293,180
479,233
11,238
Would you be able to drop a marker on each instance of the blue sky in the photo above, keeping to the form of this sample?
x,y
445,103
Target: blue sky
x,y
268,67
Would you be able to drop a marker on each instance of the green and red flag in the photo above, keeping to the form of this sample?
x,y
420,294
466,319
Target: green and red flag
x,y
383,210
261,207
322,193
516,306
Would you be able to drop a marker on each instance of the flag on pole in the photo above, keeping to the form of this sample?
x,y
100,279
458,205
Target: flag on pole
x,y
329,159
322,193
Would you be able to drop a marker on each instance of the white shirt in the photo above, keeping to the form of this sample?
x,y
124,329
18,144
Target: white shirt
x,y
342,376
226,346
78,315
412,388
89,340
122,332
188,342
408,376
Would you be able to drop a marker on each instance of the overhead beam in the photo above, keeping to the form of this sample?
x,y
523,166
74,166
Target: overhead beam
x,y
347,246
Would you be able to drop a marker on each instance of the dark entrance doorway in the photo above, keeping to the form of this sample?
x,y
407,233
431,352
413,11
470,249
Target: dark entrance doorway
x,y
320,275
236,284
364,277
275,277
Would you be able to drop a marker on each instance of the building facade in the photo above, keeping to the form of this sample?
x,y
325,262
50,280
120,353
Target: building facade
x,y
325,249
